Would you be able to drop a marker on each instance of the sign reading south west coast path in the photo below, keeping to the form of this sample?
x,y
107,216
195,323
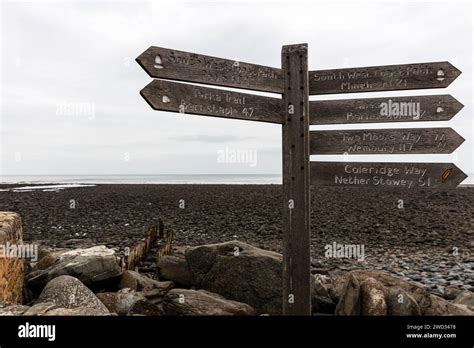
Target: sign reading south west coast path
x,y
191,67
382,78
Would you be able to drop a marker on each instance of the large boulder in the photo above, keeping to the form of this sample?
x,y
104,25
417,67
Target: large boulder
x,y
136,281
428,303
69,292
465,298
240,272
321,300
350,298
96,267
439,306
373,297
12,269
401,303
175,268
201,302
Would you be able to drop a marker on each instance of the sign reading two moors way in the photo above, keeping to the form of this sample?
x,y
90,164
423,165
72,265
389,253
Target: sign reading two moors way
x,y
385,141
295,113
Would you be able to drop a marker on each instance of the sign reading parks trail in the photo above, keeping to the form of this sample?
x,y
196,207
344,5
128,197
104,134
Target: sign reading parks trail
x,y
197,100
382,78
386,175
386,109
295,113
385,141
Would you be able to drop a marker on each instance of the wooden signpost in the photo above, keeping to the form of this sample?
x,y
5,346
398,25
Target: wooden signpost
x,y
295,113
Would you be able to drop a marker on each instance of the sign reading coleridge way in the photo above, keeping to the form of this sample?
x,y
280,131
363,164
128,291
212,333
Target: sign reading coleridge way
x,y
386,175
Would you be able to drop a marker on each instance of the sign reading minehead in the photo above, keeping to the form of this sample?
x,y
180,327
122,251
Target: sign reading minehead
x,y
295,113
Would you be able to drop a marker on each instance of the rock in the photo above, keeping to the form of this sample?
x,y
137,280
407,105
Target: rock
x,y
416,291
136,281
48,259
129,302
439,306
451,292
40,308
9,309
119,302
401,303
154,295
12,269
373,297
145,307
69,292
465,298
81,311
321,301
201,302
175,268
96,267
240,272
350,299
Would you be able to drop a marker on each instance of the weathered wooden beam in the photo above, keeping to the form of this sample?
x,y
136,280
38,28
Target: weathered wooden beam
x,y
296,195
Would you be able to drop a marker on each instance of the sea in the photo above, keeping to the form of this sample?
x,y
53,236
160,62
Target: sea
x,y
229,179
61,182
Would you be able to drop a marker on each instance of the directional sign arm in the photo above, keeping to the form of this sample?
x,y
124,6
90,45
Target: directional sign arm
x,y
386,175
382,78
191,67
385,141
190,99
387,109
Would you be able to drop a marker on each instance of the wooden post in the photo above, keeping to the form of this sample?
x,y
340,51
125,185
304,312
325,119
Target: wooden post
x,y
296,184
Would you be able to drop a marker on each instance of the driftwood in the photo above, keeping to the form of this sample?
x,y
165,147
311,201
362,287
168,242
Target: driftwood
x,y
156,236
164,244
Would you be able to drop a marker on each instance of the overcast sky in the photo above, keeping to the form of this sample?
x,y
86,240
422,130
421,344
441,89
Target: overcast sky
x,y
82,53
